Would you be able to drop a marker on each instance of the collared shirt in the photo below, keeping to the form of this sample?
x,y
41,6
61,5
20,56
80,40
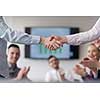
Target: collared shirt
x,y
11,35
53,75
85,37
73,77
13,70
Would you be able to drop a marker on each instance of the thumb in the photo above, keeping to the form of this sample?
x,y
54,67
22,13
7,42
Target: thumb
x,y
51,38
54,37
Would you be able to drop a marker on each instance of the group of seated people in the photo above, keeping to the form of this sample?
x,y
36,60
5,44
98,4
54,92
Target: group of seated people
x,y
86,70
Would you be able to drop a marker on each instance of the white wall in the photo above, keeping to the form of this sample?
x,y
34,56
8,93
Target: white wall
x,y
39,67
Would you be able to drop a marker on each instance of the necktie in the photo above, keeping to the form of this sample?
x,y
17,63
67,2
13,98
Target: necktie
x,y
91,74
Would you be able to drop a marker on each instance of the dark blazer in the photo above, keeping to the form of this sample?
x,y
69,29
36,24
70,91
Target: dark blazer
x,y
98,76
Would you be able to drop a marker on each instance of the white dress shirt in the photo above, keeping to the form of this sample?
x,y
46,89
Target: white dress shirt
x,y
11,35
73,77
53,75
84,37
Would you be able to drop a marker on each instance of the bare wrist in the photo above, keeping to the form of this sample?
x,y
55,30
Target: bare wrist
x,y
42,40
64,39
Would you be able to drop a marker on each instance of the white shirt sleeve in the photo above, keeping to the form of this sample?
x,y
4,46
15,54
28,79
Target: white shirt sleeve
x,y
84,37
14,36
48,77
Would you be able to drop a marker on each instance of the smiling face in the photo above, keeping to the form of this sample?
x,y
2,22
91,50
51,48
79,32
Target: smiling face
x,y
93,52
13,55
54,63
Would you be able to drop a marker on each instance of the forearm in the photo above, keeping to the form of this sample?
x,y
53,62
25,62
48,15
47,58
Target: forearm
x,y
20,37
83,37
11,35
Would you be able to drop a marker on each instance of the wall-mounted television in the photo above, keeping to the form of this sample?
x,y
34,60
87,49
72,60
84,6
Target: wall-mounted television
x,y
40,52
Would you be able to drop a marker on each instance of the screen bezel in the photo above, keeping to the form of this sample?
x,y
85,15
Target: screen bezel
x,y
74,49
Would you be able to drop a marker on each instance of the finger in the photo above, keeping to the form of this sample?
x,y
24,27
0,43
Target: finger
x,y
47,45
55,44
77,66
23,69
59,43
51,38
55,37
86,60
28,69
52,47
94,59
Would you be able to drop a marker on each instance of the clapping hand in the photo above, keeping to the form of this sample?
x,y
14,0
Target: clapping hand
x,y
22,73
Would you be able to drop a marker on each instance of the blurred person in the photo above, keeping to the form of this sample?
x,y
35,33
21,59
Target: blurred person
x,y
12,57
55,74
93,53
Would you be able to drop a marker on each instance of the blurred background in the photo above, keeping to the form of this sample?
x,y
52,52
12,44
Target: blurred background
x,y
39,67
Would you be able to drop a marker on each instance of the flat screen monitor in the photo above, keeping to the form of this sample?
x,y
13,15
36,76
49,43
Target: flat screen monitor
x,y
40,52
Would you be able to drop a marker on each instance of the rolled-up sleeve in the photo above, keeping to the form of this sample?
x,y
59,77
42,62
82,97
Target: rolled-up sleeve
x,y
84,37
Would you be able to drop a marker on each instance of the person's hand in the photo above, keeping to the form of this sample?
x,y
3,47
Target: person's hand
x,y
97,42
51,43
91,63
56,42
80,71
61,39
27,69
62,74
22,73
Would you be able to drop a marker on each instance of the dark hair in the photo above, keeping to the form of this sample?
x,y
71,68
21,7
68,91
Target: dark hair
x,y
51,57
13,45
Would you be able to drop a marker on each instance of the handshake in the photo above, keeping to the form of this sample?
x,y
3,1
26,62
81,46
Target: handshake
x,y
53,42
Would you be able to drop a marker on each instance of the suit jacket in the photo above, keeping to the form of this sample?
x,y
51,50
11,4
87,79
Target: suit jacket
x,y
98,76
